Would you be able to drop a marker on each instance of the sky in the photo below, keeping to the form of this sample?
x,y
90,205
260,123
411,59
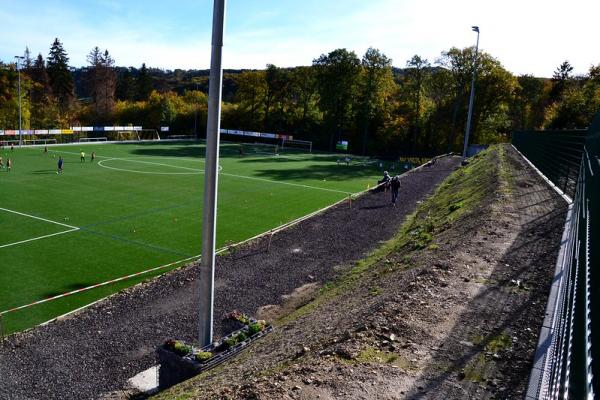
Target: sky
x,y
526,36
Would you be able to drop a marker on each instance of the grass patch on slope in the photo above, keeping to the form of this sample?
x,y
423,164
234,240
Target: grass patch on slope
x,y
460,194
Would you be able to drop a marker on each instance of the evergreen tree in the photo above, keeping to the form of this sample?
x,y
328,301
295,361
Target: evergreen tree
x,y
561,78
125,85
41,94
27,62
61,80
143,83
101,79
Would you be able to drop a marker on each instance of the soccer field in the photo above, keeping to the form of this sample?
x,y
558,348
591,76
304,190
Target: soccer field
x,y
136,207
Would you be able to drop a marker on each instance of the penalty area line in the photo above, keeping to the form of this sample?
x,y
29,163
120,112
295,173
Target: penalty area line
x,y
38,218
38,238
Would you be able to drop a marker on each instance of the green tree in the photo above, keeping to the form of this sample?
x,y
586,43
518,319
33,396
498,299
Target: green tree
x,y
376,83
303,96
417,69
337,76
250,95
43,107
275,86
27,62
61,81
529,103
143,83
125,89
561,79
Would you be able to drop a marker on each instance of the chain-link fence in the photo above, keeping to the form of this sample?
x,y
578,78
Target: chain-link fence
x,y
569,343
556,153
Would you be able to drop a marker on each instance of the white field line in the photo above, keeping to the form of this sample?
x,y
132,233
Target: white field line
x,y
155,163
71,228
40,218
198,172
222,173
197,257
38,238
284,183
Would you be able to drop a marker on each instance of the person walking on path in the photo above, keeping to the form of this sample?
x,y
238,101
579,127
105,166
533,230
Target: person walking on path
x,y
395,185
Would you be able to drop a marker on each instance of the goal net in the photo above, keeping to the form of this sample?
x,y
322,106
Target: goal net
x,y
259,148
147,134
93,139
296,145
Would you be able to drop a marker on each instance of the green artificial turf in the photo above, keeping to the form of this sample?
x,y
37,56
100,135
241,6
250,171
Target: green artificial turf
x,y
139,206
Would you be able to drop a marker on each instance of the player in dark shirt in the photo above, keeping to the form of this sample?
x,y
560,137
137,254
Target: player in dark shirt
x,y
395,185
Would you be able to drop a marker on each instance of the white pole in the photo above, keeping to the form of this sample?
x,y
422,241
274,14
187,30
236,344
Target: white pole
x,y
207,264
19,77
468,130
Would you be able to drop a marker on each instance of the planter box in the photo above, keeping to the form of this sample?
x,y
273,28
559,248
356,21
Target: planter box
x,y
175,368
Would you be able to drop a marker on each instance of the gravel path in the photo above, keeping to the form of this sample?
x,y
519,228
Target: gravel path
x,y
98,349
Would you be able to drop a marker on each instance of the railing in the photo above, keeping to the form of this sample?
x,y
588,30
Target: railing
x,y
569,343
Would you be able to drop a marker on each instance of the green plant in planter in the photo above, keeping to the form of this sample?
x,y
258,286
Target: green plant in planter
x,y
230,342
178,347
203,356
239,316
256,327
240,337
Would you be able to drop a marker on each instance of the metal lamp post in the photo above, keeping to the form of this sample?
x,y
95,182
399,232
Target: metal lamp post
x,y
468,130
209,212
19,78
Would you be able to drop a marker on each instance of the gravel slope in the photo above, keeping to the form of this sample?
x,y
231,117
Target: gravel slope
x,y
98,349
455,321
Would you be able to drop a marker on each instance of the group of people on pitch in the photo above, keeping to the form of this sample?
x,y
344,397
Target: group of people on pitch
x,y
392,183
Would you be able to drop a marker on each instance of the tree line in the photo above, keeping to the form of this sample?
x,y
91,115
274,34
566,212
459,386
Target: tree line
x,y
379,109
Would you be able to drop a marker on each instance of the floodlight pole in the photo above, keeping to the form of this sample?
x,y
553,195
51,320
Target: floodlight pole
x,y
209,214
468,130
19,77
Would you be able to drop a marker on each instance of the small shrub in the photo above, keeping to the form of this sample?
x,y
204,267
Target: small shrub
x,y
238,316
203,356
240,337
230,342
178,347
256,327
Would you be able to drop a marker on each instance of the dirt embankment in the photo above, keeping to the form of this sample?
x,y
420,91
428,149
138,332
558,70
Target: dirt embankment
x,y
448,309
95,351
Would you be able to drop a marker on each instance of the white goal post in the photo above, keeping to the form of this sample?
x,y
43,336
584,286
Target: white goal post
x,y
147,134
297,144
